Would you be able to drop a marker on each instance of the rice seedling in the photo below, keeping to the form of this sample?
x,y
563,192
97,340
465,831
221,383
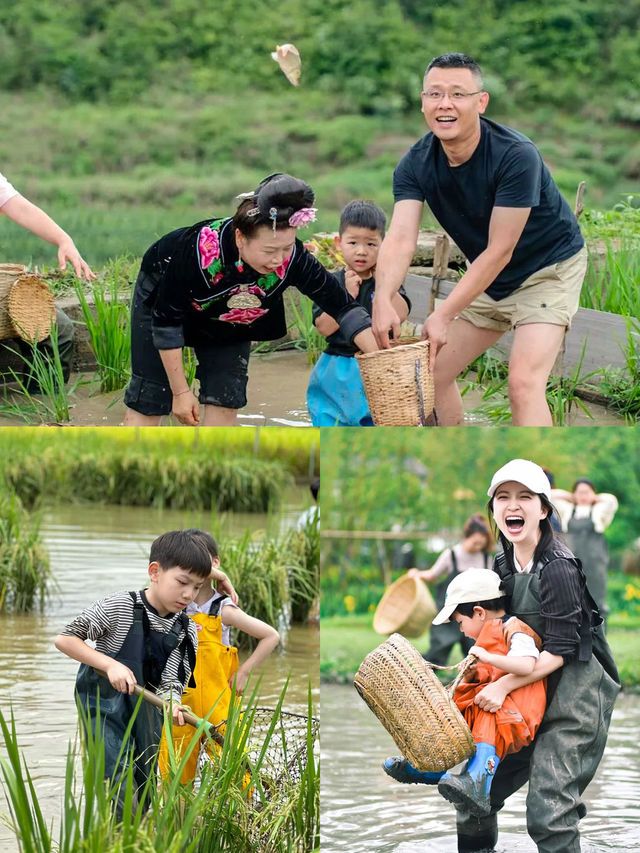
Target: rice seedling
x,y
305,585
611,282
190,364
25,576
108,325
42,371
309,338
622,387
220,815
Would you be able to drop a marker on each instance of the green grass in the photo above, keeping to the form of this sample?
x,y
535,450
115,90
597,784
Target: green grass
x,y
346,640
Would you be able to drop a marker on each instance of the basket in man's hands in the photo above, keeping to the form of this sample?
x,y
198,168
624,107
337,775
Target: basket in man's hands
x,y
399,384
401,689
276,747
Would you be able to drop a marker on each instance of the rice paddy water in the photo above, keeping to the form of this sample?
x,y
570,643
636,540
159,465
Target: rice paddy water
x,y
363,811
95,550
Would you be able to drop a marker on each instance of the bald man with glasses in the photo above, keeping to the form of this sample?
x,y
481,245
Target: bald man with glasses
x,y
489,189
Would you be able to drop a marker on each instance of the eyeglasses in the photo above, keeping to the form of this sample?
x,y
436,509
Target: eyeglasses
x,y
436,95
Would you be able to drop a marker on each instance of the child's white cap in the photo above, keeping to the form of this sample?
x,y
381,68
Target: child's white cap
x,y
522,471
468,586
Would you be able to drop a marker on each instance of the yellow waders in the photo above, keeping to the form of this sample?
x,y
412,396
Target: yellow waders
x,y
210,698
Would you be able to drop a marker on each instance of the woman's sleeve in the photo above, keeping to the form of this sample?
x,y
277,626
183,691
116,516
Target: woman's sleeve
x,y
169,310
312,279
443,565
604,511
561,607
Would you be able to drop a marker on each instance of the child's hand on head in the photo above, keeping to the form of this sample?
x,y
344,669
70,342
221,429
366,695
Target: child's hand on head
x,y
224,585
352,282
120,677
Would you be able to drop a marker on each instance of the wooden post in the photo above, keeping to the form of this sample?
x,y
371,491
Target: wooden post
x,y
579,196
441,251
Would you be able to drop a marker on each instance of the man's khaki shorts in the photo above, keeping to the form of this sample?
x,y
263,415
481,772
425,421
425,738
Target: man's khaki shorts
x,y
550,295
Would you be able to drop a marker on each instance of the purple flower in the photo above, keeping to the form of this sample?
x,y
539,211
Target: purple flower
x,y
209,246
302,217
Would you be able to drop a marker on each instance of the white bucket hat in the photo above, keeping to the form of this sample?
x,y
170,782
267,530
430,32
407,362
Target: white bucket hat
x,y
522,471
470,585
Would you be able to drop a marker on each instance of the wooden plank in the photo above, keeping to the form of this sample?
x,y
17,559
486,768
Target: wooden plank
x,y
401,536
605,334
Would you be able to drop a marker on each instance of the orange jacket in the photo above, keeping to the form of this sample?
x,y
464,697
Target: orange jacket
x,y
515,724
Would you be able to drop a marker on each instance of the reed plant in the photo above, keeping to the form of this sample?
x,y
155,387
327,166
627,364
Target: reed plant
x,y
40,394
305,585
25,576
108,324
221,815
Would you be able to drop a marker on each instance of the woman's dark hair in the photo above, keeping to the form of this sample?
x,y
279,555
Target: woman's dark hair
x,y
362,214
547,533
281,193
466,608
478,524
583,480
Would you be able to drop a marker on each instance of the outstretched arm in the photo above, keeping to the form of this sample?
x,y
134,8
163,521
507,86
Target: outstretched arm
x,y
29,216
515,664
268,638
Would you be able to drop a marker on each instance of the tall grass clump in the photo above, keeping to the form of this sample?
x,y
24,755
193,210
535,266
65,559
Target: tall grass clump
x,y
24,564
611,282
622,387
305,585
221,815
42,370
308,337
108,325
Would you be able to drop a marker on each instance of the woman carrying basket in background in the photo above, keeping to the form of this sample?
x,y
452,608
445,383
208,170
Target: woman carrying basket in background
x,y
217,286
473,551
546,589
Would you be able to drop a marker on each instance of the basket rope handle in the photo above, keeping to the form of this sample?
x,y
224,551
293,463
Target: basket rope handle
x,y
463,667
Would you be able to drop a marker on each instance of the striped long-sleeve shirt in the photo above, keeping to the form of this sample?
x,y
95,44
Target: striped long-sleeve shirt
x,y
108,621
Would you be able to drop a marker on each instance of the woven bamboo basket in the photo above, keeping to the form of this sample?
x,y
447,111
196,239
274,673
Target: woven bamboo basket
x,y
9,273
31,307
406,608
399,384
402,691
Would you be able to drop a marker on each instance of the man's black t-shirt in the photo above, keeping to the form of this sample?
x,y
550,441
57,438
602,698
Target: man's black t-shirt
x,y
338,343
505,170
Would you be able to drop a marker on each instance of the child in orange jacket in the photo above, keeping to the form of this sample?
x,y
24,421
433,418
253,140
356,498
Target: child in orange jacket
x,y
503,644
217,667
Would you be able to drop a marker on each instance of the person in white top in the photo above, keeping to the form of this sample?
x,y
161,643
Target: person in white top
x,y
584,515
34,219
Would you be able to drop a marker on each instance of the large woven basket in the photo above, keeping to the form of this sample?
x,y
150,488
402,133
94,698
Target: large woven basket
x,y
406,607
31,308
399,384
405,695
9,273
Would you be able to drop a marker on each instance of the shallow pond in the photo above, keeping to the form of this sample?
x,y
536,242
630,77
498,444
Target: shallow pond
x,y
95,550
276,396
364,811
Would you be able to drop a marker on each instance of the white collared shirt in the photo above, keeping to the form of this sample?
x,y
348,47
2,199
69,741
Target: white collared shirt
x,y
192,608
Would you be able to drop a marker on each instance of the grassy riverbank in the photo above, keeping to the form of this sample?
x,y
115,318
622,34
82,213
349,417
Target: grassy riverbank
x,y
346,640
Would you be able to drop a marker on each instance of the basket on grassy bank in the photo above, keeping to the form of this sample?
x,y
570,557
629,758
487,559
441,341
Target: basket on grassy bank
x,y
406,608
402,691
399,384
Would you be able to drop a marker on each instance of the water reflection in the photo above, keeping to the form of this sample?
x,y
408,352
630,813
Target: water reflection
x,y
364,810
95,551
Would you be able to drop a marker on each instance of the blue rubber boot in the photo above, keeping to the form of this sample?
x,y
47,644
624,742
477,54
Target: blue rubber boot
x,y
470,790
400,770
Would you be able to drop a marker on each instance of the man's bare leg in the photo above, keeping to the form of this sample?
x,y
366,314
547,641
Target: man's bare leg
x,y
464,343
533,353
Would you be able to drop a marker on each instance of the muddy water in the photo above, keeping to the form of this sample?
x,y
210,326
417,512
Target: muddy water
x,y
94,551
363,811
276,396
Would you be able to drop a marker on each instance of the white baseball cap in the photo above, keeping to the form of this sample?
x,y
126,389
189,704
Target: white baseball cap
x,y
522,471
470,585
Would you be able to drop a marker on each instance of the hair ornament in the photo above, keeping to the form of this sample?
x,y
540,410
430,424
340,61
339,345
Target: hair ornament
x,y
303,217
246,195
273,216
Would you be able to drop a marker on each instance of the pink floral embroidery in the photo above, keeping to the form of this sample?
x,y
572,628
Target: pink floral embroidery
x,y
196,306
243,315
209,246
216,278
281,270
257,291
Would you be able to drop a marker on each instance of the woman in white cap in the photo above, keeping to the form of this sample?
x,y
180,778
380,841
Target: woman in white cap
x,y
546,589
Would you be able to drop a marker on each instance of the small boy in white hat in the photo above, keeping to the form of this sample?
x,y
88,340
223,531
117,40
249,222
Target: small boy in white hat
x,y
504,643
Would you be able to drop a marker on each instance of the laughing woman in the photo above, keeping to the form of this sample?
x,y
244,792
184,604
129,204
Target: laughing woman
x,y
217,286
546,589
